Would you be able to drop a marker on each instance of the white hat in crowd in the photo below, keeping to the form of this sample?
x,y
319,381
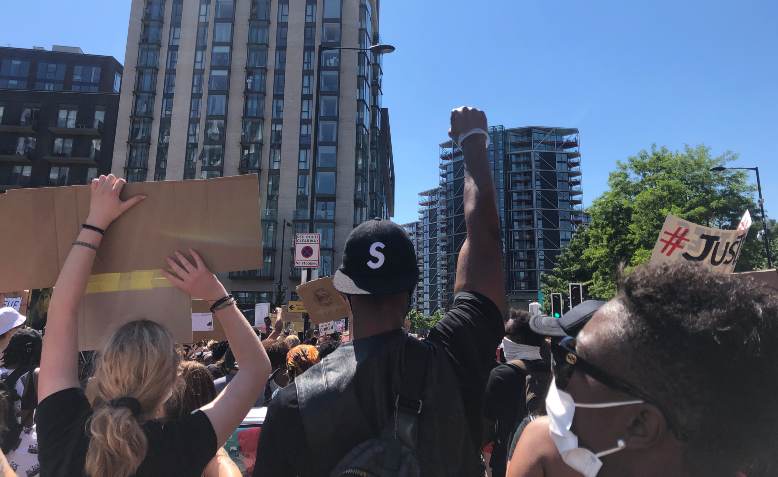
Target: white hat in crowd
x,y
10,319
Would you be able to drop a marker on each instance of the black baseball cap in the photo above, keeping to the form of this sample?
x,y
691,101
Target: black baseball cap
x,y
570,323
379,259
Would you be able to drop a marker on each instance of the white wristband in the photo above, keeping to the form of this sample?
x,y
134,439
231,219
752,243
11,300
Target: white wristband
x,y
473,132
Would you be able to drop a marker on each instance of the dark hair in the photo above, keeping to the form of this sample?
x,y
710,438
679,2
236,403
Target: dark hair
x,y
517,329
704,346
327,346
24,349
196,391
276,351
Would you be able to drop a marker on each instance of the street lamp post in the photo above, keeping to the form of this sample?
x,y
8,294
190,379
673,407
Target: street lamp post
x,y
765,228
378,49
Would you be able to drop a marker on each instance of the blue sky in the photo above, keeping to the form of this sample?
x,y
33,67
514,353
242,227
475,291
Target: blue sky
x,y
627,74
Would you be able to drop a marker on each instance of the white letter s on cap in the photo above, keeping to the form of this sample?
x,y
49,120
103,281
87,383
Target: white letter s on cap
x,y
375,253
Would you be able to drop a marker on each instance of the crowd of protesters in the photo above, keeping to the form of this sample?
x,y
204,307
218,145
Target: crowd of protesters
x,y
674,376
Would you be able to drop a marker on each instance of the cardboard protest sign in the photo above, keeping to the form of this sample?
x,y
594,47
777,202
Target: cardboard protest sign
x,y
291,317
717,250
261,311
198,214
18,300
323,301
202,322
199,316
332,327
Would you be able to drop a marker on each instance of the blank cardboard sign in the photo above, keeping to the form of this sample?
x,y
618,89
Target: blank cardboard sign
x,y
323,302
201,307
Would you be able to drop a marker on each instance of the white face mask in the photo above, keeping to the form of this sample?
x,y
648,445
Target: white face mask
x,y
560,407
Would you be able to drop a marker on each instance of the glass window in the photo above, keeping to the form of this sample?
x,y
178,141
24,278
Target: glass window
x,y
175,35
250,156
29,116
281,59
258,33
86,74
328,156
225,9
329,106
2,113
217,104
214,130
282,33
329,81
309,36
307,84
199,62
222,33
219,81
310,12
213,156
260,9
278,108
220,56
14,67
254,105
327,232
304,159
58,176
66,118
305,109
252,130
51,71
193,133
273,182
255,81
91,173
325,183
308,59
25,145
276,129
279,84
140,129
147,81
330,33
328,131
283,11
148,56
204,10
302,185
325,209
20,175
331,9
170,84
172,59
152,33
94,150
197,83
13,83
202,36
257,57
63,146
330,58
194,111
99,119
275,158
305,133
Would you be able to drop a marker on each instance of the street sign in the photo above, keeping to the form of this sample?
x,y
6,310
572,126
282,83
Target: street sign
x,y
307,250
297,307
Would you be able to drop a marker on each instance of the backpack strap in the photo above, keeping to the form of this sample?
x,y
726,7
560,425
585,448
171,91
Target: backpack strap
x,y
409,402
12,378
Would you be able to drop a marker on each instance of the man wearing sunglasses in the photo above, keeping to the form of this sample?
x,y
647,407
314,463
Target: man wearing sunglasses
x,y
673,377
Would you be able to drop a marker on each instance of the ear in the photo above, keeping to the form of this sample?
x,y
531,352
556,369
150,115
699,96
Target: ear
x,y
647,427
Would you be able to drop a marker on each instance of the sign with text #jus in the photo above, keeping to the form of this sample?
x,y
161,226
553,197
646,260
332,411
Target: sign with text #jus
x,y
716,249
307,250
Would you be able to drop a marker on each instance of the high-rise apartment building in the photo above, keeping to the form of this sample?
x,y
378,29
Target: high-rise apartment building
x,y
225,87
58,112
537,175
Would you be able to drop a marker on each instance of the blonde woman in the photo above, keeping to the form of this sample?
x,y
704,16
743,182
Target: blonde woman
x,y
117,434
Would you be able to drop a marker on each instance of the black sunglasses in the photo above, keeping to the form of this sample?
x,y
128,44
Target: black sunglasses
x,y
565,360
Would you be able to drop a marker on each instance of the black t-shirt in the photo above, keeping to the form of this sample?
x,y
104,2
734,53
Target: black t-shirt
x,y
504,403
467,336
177,449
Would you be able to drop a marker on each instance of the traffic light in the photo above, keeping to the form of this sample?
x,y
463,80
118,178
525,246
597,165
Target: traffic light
x,y
576,294
556,305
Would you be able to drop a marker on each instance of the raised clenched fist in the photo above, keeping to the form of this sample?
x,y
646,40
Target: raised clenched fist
x,y
464,120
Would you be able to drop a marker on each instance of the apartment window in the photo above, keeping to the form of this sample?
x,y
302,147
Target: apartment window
x,y
267,265
307,84
329,106
222,33
328,131
14,67
94,149
170,84
305,133
146,81
148,56
330,58
259,34
193,133
219,81
20,175
99,119
310,35
276,129
140,129
308,59
214,130
278,108
58,176
86,78
283,11
310,12
91,173
257,57
330,33
260,9
225,9
220,56
66,118
273,186
329,81
197,83
63,146
213,156
282,33
279,84
199,61
25,145
332,9
275,158
325,209
325,183
175,35
254,105
217,104
302,186
255,81
152,33
250,156
2,113
194,110
280,59
204,11
305,109
327,232
328,156
304,159
252,130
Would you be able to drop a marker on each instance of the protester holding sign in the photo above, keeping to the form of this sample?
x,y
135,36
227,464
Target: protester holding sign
x,y
387,393
116,434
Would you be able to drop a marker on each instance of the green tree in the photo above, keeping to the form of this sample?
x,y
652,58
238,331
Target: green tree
x,y
644,189
421,323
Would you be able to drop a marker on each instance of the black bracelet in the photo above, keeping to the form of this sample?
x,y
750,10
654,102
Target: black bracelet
x,y
84,244
226,304
93,228
220,302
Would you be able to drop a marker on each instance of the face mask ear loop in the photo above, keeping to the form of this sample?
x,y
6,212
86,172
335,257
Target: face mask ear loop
x,y
621,445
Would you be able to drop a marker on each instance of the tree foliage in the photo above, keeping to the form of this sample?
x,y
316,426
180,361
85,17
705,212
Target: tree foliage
x,y
626,219
421,323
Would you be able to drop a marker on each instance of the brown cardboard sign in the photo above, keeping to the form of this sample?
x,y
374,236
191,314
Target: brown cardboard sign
x,y
18,300
220,218
216,334
323,302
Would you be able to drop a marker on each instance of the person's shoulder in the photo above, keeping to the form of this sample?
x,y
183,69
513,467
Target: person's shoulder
x,y
66,398
285,399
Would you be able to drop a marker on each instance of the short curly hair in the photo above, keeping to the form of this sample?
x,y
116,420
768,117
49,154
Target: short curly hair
x,y
705,346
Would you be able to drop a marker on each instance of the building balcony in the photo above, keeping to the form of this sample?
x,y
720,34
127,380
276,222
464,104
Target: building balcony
x,y
71,160
12,156
576,201
574,191
28,127
574,173
86,129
